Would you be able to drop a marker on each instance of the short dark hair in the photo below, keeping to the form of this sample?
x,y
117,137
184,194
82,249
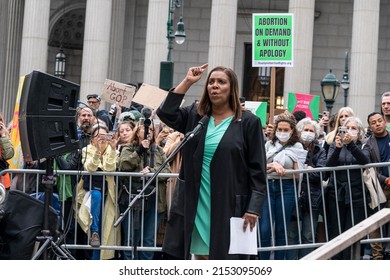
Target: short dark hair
x,y
373,114
205,106
299,115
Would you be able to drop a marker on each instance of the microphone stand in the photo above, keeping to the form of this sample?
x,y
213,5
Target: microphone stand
x,y
186,138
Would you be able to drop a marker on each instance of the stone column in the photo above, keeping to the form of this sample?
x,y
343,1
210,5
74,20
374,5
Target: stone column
x,y
222,33
364,56
3,42
12,62
116,41
96,47
298,78
156,46
128,43
35,36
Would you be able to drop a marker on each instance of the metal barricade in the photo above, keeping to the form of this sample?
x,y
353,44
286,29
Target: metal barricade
x,y
296,242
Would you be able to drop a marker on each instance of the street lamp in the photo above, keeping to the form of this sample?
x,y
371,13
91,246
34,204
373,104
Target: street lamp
x,y
166,67
264,76
345,81
59,68
330,88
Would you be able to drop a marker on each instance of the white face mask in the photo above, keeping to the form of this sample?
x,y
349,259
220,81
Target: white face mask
x,y
307,136
353,133
283,136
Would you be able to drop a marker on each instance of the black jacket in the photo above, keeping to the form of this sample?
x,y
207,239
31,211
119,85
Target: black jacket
x,y
376,157
349,183
238,175
316,157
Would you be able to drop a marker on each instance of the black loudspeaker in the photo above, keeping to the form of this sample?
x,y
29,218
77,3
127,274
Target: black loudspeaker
x,y
47,116
22,223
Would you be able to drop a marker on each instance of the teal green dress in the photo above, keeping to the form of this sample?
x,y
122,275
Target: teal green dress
x,y
200,242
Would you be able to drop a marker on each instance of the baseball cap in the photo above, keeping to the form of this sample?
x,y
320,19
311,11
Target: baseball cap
x,y
89,96
132,115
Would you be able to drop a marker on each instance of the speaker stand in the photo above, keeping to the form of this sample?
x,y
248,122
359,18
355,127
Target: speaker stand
x,y
46,238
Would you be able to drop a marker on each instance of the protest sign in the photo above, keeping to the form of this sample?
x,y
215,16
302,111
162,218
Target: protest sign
x,y
259,109
308,103
272,40
150,96
114,92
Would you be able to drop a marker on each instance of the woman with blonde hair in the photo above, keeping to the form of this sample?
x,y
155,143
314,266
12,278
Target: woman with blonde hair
x,y
342,115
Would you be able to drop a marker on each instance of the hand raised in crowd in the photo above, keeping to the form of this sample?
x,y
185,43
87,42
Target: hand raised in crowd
x,y
114,141
3,130
195,73
339,141
162,135
269,130
324,121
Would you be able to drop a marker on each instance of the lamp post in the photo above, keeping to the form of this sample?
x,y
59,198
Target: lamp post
x,y
166,67
330,88
59,68
264,76
345,81
267,75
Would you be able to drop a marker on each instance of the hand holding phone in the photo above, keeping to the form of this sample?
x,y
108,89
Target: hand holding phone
x,y
342,131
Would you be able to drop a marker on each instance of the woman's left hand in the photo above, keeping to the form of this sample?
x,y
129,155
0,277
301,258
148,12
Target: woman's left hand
x,y
250,219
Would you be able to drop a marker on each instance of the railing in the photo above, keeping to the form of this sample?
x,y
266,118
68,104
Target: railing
x,y
30,180
351,237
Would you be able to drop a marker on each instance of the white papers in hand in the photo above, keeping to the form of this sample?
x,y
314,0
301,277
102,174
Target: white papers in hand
x,y
242,242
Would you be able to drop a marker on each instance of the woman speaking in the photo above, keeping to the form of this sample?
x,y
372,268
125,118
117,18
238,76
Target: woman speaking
x,y
223,167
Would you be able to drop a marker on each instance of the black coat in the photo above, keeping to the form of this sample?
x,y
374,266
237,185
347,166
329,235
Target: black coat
x,y
349,183
316,157
375,157
238,176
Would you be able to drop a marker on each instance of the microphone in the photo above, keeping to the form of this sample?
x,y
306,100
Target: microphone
x,y
146,112
203,121
147,123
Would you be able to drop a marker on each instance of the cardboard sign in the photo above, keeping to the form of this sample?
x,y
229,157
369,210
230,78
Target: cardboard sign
x,y
259,109
150,96
113,92
272,40
308,103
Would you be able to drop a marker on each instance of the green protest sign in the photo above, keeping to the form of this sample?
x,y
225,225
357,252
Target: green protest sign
x,y
272,40
308,103
259,109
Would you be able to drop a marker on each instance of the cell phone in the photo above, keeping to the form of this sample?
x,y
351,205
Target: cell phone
x,y
325,113
106,136
342,131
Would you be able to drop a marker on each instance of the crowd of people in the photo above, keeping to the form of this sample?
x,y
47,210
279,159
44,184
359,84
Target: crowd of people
x,y
233,167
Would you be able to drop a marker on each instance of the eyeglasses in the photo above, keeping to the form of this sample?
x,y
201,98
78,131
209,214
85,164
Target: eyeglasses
x,y
93,102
